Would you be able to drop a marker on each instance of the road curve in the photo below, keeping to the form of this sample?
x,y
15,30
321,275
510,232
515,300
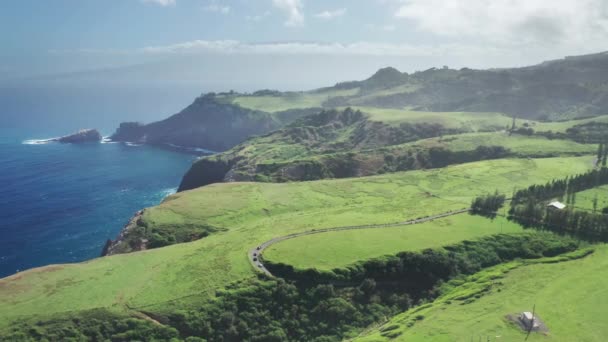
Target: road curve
x,y
253,254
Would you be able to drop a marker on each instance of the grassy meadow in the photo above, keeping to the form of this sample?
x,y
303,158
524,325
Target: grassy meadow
x,y
521,145
179,275
584,199
467,121
286,101
571,298
326,251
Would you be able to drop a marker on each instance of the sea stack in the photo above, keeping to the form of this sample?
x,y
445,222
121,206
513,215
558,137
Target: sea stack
x,y
82,136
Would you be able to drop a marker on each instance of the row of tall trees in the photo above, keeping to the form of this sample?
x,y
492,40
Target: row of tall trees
x,y
591,226
529,206
561,188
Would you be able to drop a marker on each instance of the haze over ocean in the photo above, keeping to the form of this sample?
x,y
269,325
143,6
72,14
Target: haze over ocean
x,y
59,203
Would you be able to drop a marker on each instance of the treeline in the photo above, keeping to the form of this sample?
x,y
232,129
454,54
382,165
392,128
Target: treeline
x,y
590,226
561,188
314,306
487,205
587,133
529,207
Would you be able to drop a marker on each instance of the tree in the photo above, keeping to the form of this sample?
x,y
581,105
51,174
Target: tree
x,y
605,156
487,205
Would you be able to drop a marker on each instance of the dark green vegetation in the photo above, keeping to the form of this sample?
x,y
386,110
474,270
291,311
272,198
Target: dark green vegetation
x,y
529,207
93,325
143,232
317,306
488,205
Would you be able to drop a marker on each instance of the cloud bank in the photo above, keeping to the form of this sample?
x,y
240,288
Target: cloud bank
x,y
564,22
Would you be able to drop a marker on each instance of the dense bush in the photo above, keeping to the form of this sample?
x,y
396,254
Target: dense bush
x,y
487,205
94,325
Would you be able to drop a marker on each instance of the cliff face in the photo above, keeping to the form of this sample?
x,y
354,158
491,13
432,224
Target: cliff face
x,y
207,123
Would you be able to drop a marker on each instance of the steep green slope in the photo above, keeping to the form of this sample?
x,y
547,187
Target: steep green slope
x,y
368,141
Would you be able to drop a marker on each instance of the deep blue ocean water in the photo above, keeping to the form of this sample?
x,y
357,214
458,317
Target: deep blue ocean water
x,y
60,203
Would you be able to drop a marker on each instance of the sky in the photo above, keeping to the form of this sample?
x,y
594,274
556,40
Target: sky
x,y
284,44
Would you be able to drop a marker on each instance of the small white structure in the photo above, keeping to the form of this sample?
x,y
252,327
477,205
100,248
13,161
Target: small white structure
x,y
529,320
556,205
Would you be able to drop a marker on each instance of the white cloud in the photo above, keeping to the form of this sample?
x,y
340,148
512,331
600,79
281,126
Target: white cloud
x,y
293,10
518,22
217,8
163,3
299,48
331,14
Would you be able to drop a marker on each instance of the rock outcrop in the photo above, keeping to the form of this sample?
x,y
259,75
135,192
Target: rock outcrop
x,y
82,136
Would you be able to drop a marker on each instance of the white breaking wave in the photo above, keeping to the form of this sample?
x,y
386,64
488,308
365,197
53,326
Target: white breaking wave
x,y
133,144
39,141
193,149
168,192
107,140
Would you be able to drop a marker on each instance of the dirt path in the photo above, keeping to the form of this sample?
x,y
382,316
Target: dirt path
x,y
259,265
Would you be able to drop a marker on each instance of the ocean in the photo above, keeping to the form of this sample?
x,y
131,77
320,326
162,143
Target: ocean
x,y
59,203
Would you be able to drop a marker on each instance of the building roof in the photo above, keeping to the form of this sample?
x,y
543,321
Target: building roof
x,y
557,205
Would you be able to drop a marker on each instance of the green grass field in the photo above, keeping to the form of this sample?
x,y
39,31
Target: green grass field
x,y
287,101
253,213
584,199
562,126
521,145
571,298
327,251
466,121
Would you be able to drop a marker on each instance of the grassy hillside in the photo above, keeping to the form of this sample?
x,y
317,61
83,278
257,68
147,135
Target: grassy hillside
x,y
252,213
461,121
273,102
368,141
524,146
339,249
563,89
570,298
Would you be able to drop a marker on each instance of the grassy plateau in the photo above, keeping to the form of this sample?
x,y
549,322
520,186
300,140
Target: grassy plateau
x,y
327,251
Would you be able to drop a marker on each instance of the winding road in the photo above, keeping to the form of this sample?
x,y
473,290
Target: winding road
x,y
258,264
